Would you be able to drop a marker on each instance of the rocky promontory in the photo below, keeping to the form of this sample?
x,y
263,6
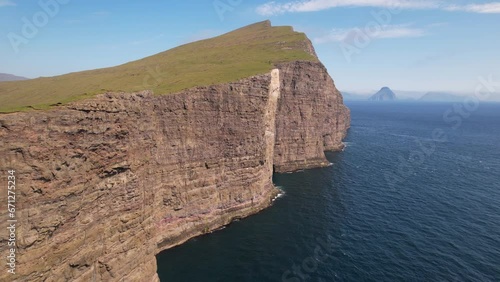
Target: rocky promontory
x,y
107,182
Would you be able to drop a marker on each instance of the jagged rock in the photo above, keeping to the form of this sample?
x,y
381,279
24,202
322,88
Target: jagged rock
x,y
107,183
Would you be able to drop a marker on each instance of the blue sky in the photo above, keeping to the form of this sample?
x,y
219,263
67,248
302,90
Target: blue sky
x,y
431,45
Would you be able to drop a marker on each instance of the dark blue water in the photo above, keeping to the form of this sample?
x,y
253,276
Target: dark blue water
x,y
414,197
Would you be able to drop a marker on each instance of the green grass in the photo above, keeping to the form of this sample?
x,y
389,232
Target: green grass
x,y
245,52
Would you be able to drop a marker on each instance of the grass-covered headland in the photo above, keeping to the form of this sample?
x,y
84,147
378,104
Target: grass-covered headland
x,y
238,54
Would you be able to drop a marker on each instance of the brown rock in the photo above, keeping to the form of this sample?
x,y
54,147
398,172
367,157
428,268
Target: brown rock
x,y
311,117
103,185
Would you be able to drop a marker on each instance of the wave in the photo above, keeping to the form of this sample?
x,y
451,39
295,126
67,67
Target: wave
x,y
281,194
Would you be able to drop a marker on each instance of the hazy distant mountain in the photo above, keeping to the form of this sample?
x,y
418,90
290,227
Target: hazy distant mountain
x,y
441,97
385,94
408,95
348,96
10,77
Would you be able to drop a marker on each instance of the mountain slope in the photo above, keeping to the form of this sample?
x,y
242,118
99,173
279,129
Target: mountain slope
x,y
245,52
384,94
10,77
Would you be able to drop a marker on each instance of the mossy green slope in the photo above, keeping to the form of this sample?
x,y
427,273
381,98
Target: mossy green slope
x,y
248,51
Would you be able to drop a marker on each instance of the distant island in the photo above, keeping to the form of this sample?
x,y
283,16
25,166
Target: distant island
x,y
440,97
384,94
11,77
387,94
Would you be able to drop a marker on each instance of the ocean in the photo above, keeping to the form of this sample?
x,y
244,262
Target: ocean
x,y
415,196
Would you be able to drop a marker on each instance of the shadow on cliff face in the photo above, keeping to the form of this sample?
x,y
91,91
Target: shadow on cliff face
x,y
265,246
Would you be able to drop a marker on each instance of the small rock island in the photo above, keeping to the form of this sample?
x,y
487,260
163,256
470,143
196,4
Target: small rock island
x,y
384,94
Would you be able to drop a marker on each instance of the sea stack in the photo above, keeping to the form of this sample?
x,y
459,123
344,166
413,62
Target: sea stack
x,y
384,94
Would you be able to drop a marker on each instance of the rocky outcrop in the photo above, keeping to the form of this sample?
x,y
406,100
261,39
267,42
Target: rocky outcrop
x,y
384,94
105,184
311,117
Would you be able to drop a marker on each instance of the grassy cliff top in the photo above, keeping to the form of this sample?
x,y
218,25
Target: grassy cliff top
x,y
245,52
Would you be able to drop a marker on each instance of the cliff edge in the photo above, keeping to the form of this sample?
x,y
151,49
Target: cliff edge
x,y
107,182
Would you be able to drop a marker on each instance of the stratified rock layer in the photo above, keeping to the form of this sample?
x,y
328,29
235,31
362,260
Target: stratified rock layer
x,y
103,185
311,117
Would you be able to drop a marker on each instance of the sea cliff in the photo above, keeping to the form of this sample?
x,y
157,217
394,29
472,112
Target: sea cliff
x,y
104,184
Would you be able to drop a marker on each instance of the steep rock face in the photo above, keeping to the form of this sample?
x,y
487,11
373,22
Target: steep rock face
x,y
311,117
105,184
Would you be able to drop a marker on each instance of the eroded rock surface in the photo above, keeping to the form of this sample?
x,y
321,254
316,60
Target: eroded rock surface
x,y
103,185
311,117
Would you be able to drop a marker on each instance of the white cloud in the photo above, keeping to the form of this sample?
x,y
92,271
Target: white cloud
x,y
349,35
274,8
6,3
487,8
